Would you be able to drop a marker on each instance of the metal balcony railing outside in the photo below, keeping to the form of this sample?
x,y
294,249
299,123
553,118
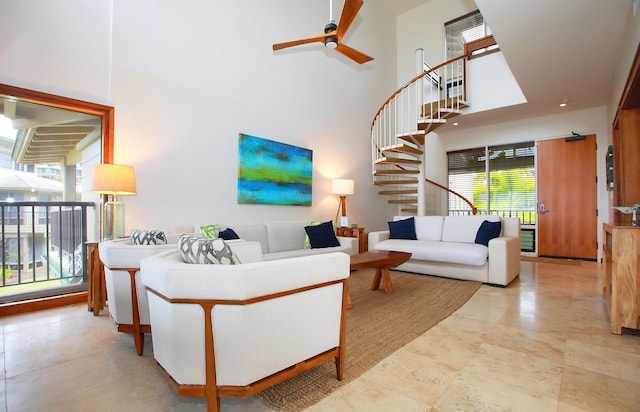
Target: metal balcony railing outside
x,y
43,249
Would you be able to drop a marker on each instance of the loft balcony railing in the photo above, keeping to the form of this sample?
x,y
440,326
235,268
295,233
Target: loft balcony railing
x,y
43,249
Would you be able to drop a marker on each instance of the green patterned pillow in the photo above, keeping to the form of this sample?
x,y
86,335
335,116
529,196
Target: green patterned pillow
x,y
206,251
148,237
210,231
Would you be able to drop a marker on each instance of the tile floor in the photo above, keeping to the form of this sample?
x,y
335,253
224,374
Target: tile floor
x,y
542,344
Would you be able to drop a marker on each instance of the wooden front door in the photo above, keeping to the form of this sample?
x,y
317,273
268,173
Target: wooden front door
x,y
567,199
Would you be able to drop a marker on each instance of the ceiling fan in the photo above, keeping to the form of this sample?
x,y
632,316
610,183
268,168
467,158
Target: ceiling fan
x,y
333,34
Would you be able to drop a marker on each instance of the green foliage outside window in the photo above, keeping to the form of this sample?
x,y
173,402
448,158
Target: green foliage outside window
x,y
512,189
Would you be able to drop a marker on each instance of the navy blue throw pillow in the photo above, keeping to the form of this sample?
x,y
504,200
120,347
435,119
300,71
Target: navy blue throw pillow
x,y
228,234
487,231
322,235
402,229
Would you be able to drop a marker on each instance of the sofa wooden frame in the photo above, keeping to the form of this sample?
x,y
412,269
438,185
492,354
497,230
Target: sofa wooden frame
x,y
211,390
136,328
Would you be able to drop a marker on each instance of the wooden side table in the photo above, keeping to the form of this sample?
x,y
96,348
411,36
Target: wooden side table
x,y
96,286
358,233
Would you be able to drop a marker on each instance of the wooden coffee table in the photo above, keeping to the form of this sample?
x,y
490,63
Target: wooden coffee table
x,y
382,261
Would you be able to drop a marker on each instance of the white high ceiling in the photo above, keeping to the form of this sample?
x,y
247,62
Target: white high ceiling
x,y
400,6
556,49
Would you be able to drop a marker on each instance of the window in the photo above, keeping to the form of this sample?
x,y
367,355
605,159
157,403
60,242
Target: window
x,y
497,180
462,30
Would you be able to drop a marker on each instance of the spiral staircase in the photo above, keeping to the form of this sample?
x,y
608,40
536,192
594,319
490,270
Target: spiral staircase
x,y
401,125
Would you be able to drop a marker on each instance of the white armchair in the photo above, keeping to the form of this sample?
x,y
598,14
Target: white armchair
x,y
128,309
234,330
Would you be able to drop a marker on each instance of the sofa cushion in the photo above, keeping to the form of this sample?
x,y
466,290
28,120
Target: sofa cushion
x,y
199,250
487,231
429,227
322,235
447,252
148,237
305,252
285,235
245,252
464,228
402,229
228,234
251,232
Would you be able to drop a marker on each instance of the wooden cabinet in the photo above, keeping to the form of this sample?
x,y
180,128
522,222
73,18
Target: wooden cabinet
x,y
358,233
621,264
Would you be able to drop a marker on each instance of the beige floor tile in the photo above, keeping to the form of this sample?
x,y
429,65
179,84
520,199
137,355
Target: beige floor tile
x,y
547,345
604,360
594,391
361,395
452,342
413,376
496,366
600,335
567,407
487,396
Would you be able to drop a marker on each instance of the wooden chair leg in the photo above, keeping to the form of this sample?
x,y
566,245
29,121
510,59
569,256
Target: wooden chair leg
x,y
138,336
343,332
211,385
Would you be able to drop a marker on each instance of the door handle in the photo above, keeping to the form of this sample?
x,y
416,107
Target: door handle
x,y
542,208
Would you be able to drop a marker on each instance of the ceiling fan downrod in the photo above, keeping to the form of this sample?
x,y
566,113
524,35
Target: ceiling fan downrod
x,y
331,42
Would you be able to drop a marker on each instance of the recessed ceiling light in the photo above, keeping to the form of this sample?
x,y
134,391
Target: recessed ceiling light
x,y
455,123
564,102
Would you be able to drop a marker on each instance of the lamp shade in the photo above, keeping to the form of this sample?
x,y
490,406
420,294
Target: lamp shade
x,y
342,187
110,179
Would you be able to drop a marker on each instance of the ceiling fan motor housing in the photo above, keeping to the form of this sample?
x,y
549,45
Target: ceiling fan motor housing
x,y
330,42
331,26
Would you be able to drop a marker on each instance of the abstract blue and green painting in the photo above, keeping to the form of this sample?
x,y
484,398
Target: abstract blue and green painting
x,y
273,173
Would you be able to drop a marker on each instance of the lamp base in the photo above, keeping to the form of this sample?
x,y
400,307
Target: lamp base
x,y
114,219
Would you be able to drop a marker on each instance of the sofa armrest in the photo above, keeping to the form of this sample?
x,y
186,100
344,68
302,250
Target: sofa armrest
x,y
504,260
351,242
377,237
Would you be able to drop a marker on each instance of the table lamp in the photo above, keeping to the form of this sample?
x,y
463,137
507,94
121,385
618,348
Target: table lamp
x,y
343,188
114,181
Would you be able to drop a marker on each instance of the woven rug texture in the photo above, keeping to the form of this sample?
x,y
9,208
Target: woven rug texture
x,y
377,325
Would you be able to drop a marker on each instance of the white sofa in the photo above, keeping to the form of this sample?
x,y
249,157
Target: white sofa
x,y
284,239
234,330
445,246
129,310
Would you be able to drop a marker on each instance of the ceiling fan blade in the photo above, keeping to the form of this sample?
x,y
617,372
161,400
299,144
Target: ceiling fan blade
x,y
353,54
349,12
279,46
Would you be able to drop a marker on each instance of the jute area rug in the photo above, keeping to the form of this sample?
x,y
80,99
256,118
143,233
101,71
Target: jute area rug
x,y
377,325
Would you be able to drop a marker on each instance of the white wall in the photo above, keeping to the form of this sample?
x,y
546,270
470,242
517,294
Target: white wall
x,y
61,47
188,79
491,85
